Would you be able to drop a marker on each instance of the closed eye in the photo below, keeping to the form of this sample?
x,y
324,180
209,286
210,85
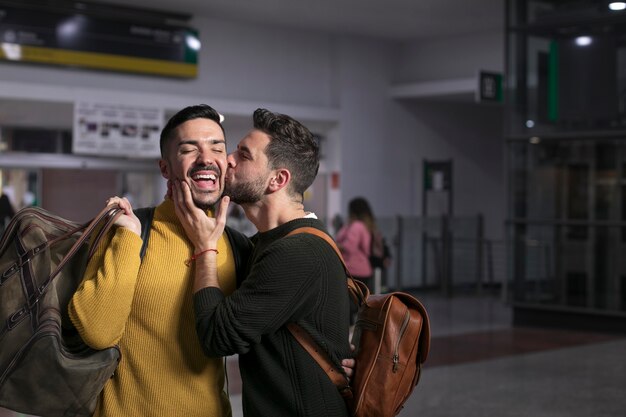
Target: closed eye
x,y
244,155
187,149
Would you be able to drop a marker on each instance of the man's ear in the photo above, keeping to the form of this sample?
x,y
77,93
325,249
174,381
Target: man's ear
x,y
280,179
164,167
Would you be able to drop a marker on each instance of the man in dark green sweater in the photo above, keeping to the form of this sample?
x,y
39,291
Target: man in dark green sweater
x,y
296,278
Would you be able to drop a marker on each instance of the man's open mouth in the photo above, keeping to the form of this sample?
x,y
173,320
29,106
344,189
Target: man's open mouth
x,y
205,180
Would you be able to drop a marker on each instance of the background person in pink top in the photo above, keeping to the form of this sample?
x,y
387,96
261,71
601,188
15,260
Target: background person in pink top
x,y
354,239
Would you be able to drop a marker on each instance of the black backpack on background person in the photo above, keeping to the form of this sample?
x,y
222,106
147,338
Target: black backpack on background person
x,y
380,255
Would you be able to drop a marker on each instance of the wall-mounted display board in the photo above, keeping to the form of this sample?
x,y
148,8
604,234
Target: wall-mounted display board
x,y
97,36
107,129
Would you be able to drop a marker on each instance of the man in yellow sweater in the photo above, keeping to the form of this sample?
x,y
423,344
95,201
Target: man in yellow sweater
x,y
145,306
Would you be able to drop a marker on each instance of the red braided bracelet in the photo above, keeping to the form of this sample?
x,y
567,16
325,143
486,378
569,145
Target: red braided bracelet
x,y
196,255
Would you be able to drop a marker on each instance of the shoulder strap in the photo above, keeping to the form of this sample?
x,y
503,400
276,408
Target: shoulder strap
x,y
145,216
359,292
104,220
306,341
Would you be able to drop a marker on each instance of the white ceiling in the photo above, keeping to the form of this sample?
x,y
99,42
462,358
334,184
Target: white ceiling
x,y
388,19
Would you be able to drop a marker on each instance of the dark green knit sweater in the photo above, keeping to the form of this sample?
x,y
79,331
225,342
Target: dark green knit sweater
x,y
297,278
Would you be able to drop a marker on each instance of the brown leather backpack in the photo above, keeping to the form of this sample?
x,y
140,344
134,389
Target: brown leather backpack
x,y
392,339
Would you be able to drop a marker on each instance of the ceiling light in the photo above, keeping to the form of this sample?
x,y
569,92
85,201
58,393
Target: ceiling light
x,y
72,28
535,140
193,42
617,5
583,40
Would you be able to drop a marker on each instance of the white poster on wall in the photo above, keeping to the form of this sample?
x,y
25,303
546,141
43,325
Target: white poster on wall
x,y
110,129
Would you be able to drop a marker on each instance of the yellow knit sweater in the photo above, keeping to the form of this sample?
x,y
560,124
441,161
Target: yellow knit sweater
x,y
146,308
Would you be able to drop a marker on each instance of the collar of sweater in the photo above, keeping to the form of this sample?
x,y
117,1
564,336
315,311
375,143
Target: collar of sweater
x,y
285,228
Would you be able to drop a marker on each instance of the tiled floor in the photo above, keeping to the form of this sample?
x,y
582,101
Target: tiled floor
x,y
488,368
492,344
581,381
479,365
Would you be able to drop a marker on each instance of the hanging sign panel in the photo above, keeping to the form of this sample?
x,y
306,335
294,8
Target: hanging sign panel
x,y
97,41
107,129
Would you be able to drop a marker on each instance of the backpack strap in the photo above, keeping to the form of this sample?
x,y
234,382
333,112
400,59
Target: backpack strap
x,y
358,290
306,341
145,216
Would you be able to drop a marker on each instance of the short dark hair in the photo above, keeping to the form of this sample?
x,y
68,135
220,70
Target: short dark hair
x,y
199,111
291,146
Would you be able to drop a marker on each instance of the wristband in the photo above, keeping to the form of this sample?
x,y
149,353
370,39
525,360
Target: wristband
x,y
197,255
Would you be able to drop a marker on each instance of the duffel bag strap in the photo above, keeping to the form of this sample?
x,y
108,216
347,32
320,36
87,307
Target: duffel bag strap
x,y
107,216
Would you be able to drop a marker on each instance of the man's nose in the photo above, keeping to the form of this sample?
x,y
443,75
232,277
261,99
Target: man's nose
x,y
230,159
205,157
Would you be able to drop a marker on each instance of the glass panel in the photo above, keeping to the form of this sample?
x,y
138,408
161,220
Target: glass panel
x,y
568,222
566,68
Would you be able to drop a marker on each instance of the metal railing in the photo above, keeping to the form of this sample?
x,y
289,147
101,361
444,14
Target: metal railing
x,y
568,264
448,254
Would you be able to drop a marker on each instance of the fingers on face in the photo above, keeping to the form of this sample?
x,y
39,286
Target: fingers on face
x,y
175,190
222,209
182,196
224,202
186,191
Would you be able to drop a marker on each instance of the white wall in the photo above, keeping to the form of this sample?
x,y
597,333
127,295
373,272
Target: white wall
x,y
377,139
450,58
384,140
471,135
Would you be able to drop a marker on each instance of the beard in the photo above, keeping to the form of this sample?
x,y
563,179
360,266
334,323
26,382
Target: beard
x,y
246,192
206,203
